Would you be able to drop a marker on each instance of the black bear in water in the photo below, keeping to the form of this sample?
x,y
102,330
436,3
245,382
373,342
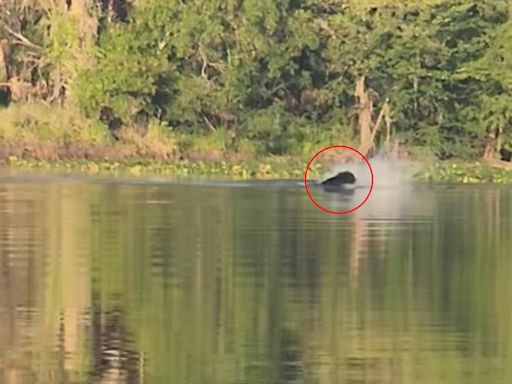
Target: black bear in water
x,y
113,122
339,182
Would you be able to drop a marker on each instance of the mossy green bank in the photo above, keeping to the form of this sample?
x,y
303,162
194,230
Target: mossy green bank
x,y
265,168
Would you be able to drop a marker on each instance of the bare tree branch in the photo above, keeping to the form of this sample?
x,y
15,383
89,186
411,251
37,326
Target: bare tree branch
x,y
22,39
205,63
208,123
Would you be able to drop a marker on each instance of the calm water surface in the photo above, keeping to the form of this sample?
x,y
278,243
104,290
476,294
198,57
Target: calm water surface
x,y
218,283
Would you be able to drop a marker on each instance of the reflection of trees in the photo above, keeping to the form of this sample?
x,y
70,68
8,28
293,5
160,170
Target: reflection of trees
x,y
114,360
44,232
21,237
359,245
231,286
67,280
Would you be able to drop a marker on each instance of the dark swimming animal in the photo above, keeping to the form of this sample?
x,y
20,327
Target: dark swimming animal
x,y
341,182
340,179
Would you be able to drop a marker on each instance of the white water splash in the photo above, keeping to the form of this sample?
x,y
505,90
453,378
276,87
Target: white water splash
x,y
387,173
393,193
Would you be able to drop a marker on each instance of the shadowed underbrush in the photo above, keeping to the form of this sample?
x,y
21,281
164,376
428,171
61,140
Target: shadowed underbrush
x,y
36,131
43,133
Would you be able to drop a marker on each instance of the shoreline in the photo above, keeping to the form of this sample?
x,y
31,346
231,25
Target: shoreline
x,y
36,137
253,169
264,168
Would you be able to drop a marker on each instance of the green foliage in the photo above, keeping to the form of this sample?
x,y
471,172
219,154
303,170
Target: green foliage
x,y
38,123
282,73
466,173
124,75
61,40
219,140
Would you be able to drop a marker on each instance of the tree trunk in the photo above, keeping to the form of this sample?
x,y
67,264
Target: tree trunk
x,y
387,118
81,16
3,65
365,113
367,129
490,145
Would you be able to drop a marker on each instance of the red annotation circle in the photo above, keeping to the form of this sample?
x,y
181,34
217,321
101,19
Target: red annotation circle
x,y
306,179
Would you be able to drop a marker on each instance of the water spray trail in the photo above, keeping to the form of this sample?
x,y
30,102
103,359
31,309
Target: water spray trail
x,y
393,186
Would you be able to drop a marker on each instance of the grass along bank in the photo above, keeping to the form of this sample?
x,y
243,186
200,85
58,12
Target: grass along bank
x,y
269,168
37,137
465,173
262,168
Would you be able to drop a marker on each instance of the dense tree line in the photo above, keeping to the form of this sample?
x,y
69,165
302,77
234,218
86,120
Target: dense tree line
x,y
433,74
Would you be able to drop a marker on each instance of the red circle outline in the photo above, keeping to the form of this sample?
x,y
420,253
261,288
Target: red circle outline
x,y
306,179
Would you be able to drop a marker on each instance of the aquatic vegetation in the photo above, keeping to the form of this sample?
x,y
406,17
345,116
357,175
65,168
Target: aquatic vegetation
x,y
270,168
265,168
465,173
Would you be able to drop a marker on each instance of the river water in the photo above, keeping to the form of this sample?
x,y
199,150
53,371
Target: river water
x,y
216,283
